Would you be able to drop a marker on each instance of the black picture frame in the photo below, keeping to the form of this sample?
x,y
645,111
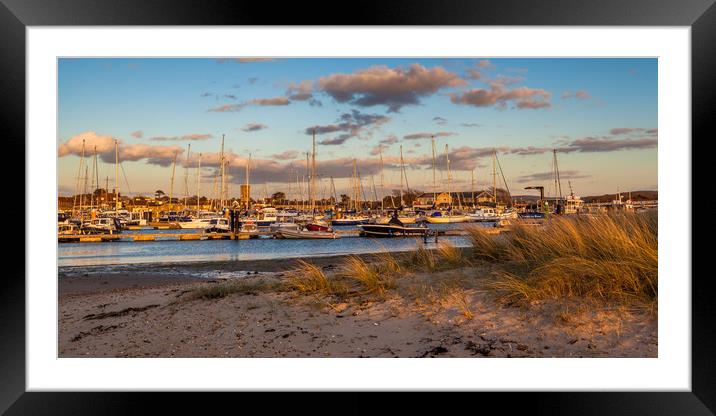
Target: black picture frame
x,y
16,15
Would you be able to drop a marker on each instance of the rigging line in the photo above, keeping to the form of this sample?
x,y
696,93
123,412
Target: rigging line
x,y
125,178
509,195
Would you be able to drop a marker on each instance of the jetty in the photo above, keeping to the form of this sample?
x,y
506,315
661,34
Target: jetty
x,y
200,236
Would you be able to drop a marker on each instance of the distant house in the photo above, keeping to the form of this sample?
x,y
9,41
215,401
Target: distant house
x,y
443,199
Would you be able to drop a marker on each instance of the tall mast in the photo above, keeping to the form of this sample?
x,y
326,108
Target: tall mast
x,y
288,194
228,182
382,184
94,174
494,176
82,163
313,173
472,185
449,176
171,185
221,161
214,192
375,194
335,196
186,176
248,184
557,180
355,186
79,176
435,188
116,174
198,181
84,187
401,175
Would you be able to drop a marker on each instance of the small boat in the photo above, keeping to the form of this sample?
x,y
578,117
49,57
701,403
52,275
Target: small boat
x,y
318,226
101,226
444,217
283,226
403,217
218,225
267,216
249,229
394,228
349,221
67,228
299,234
195,224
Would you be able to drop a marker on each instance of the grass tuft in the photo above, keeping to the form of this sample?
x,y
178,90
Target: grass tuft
x,y
308,277
449,254
607,257
368,275
422,258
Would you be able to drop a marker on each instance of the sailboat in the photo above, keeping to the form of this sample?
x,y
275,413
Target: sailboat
x,y
449,215
314,227
487,213
352,217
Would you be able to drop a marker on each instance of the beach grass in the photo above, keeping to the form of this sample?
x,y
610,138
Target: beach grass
x,y
606,257
368,275
450,255
421,258
308,278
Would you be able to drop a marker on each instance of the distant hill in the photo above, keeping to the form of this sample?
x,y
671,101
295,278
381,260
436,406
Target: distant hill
x,y
635,196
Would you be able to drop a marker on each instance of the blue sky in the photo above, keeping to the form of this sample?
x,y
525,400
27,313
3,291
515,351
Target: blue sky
x,y
601,115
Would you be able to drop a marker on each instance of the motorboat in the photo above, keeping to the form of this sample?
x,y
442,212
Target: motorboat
x,y
218,225
101,226
486,214
395,228
318,226
301,234
283,226
195,223
349,221
267,216
249,229
445,217
67,228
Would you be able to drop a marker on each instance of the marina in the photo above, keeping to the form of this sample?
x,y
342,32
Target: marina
x,y
356,207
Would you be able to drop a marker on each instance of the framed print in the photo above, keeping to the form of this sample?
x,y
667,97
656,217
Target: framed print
x,y
281,208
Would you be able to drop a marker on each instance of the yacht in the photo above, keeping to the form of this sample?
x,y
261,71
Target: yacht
x,y
218,225
446,217
101,226
394,228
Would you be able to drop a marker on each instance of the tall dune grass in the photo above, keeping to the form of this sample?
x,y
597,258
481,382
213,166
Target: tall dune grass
x,y
367,275
308,277
612,257
422,258
449,254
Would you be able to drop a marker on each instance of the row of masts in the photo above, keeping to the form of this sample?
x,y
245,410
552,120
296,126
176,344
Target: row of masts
x,y
221,182
82,181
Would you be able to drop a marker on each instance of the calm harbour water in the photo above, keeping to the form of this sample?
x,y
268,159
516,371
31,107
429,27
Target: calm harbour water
x,y
146,252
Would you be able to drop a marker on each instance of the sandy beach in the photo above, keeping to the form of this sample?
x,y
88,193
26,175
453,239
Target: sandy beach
x,y
247,309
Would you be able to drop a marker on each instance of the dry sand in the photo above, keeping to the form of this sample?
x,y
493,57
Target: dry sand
x,y
134,313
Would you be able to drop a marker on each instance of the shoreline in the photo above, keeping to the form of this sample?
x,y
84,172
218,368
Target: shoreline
x,y
180,311
94,279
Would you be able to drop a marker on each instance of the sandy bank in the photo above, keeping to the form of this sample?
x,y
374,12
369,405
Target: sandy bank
x,y
444,313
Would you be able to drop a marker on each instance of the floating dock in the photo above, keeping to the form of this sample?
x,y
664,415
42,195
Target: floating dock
x,y
129,237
